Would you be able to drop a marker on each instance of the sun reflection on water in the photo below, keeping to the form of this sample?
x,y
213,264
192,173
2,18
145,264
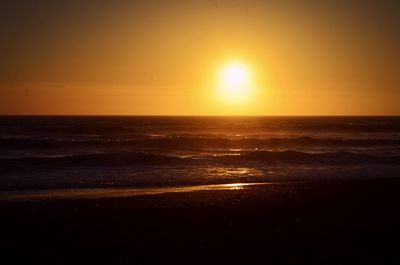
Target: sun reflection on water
x,y
225,172
116,192
235,186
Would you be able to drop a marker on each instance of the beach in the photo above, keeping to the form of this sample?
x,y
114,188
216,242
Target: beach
x,y
321,222
239,132
199,190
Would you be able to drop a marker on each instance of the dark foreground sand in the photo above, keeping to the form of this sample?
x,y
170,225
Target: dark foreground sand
x,y
351,222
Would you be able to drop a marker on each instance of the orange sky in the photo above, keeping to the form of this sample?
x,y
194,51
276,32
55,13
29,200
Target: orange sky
x,y
163,57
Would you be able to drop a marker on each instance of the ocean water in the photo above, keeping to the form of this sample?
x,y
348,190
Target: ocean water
x,y
121,151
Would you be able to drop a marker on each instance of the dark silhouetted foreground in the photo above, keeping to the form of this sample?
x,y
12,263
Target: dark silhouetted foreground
x,y
353,222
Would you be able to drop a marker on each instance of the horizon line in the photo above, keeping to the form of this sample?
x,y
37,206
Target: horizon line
x,y
198,115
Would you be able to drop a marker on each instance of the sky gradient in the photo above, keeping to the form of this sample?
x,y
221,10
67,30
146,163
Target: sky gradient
x,y
163,57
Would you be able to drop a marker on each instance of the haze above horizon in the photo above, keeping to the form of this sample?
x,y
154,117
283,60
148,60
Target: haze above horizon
x,y
205,58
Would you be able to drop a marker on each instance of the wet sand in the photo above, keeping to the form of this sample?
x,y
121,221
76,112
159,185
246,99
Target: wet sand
x,y
347,222
102,193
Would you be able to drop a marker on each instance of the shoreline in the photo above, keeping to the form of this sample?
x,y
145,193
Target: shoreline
x,y
100,193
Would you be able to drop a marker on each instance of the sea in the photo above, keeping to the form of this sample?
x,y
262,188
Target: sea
x,y
91,152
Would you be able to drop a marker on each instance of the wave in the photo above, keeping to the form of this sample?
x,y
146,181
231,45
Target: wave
x,y
139,159
350,127
304,157
193,143
107,159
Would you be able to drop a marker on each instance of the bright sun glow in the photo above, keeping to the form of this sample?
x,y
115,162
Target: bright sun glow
x,y
234,83
235,75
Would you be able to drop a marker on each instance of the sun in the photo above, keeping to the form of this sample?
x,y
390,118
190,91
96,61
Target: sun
x,y
234,75
234,82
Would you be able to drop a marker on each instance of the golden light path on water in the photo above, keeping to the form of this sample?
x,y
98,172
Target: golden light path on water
x,y
96,193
